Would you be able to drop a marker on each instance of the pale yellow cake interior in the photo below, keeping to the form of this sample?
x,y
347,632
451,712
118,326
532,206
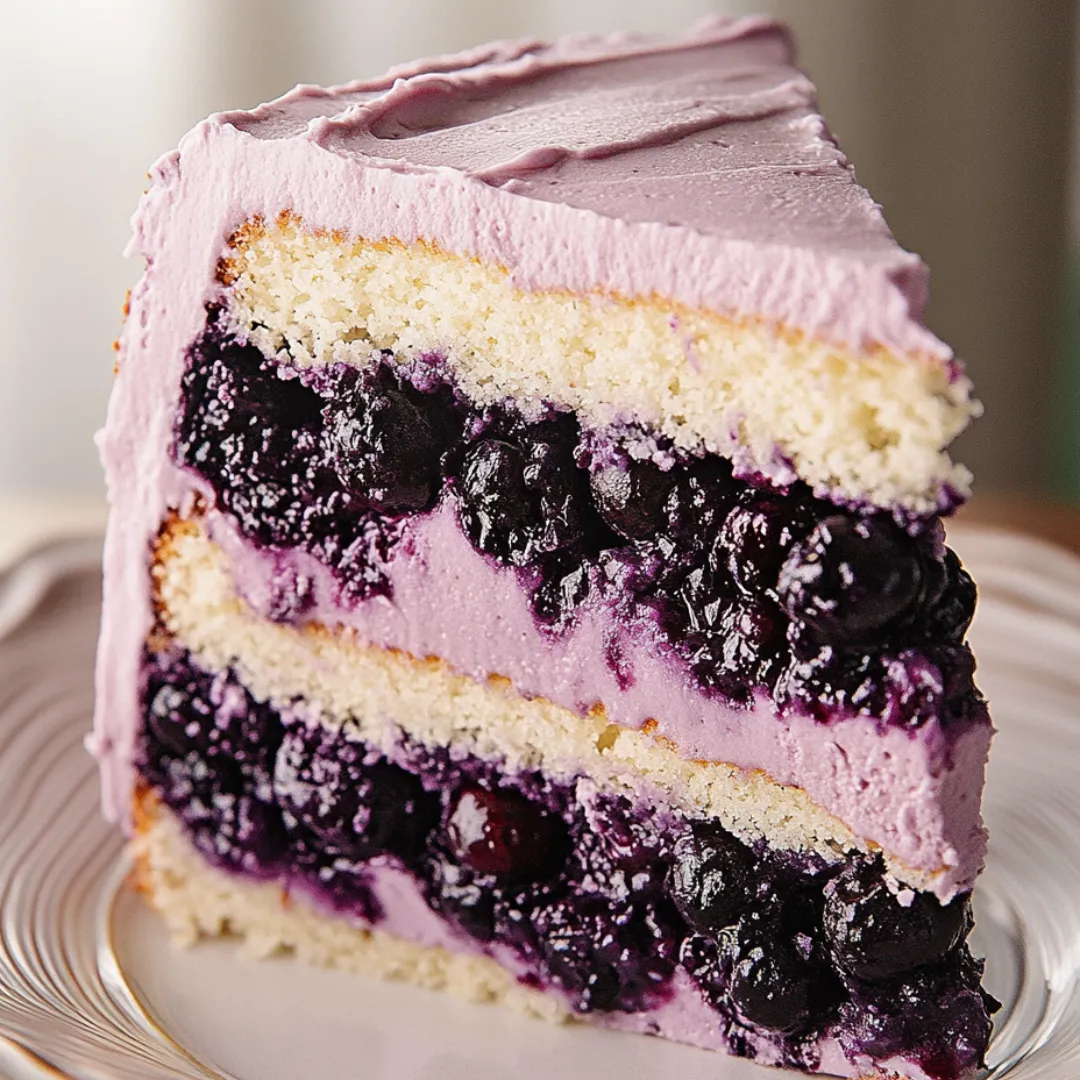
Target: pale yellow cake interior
x,y
872,427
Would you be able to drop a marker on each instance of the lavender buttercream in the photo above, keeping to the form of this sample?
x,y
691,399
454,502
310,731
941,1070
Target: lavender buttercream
x,y
911,792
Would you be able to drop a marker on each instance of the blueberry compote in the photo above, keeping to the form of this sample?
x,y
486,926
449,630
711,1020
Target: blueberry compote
x,y
613,905
829,611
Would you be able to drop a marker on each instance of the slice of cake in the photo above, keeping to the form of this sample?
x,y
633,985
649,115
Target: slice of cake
x,y
525,573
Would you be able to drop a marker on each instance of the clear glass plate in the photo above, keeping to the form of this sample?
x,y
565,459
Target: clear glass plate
x,y
91,988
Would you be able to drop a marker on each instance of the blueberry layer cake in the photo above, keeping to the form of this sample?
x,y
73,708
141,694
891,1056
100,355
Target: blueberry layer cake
x,y
525,574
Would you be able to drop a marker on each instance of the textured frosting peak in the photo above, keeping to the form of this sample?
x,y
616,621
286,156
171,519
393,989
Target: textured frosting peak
x,y
716,131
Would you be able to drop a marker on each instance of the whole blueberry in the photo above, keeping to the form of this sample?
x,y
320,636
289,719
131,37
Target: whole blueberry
x,y
383,447
631,497
454,891
851,579
497,509
253,435
756,538
702,494
578,939
504,834
872,935
560,488
888,1018
771,985
177,720
351,806
949,616
401,814
712,878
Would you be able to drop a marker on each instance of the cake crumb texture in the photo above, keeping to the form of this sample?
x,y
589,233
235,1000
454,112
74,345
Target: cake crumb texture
x,y
870,427
199,901
348,683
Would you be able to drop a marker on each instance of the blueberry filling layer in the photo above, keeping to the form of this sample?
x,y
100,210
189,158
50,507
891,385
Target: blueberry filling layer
x,y
828,611
603,900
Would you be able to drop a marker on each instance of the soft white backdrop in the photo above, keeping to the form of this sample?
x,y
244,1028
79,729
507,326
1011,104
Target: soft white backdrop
x,y
955,113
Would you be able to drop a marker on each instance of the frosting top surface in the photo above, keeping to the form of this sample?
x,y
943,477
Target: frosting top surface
x,y
716,131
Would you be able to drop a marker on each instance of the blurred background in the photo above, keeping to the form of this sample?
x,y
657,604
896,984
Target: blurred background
x,y
959,115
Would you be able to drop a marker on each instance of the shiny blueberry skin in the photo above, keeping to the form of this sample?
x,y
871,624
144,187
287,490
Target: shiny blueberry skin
x,y
757,536
771,987
713,877
889,1017
873,936
354,807
851,579
497,509
385,451
948,619
504,834
208,750
632,497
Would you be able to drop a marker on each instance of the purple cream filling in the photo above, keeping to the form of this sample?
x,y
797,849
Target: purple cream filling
x,y
910,791
684,1017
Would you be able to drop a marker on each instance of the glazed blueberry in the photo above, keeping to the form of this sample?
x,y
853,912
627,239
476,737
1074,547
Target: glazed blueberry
x,y
754,633
851,579
707,960
560,489
254,436
454,891
757,536
211,724
701,496
401,813
354,807
177,721
872,936
563,587
712,878
496,507
888,1018
608,956
904,688
705,595
243,832
743,652
208,750
383,448
772,986
632,497
950,616
504,834
573,938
